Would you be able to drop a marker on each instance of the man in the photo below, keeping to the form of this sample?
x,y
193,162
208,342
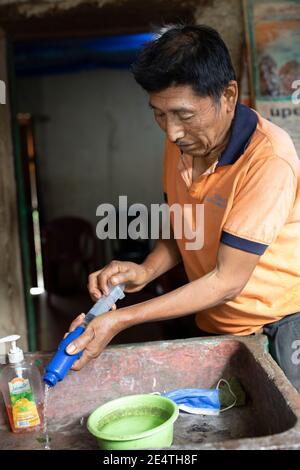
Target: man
x,y
245,170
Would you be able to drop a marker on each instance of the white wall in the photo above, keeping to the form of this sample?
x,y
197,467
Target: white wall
x,y
100,141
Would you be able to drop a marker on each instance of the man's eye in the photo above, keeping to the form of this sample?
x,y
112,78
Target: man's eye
x,y
186,117
159,115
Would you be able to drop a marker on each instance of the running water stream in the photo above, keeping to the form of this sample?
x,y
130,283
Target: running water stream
x,y
45,428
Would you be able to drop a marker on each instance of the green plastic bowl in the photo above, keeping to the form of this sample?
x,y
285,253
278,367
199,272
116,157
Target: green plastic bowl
x,y
134,422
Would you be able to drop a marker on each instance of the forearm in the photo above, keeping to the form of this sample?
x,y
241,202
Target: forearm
x,y
193,297
231,274
164,256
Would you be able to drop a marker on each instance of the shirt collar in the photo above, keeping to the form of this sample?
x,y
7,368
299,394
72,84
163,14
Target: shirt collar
x,y
243,127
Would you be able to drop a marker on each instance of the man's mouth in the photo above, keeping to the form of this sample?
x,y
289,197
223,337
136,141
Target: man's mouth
x,y
184,146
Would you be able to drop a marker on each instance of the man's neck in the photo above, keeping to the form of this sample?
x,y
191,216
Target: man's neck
x,y
219,149
201,164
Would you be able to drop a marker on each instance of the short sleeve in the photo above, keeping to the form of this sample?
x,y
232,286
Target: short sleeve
x,y
261,207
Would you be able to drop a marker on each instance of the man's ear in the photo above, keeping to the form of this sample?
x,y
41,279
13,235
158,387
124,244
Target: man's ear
x,y
230,95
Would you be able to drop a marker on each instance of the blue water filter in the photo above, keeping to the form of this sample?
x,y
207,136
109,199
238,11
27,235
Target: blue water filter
x,y
61,363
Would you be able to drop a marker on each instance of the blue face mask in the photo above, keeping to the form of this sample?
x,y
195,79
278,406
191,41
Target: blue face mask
x,y
200,400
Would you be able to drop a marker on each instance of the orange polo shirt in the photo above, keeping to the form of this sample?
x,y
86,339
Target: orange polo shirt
x,y
251,200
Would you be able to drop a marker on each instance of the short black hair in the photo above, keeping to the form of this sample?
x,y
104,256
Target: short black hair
x,y
185,55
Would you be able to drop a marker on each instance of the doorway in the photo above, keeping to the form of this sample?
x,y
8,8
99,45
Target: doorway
x,y
52,64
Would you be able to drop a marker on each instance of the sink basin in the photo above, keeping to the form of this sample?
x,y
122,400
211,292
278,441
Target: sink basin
x,y
269,420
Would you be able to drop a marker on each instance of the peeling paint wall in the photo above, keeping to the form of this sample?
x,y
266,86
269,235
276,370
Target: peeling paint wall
x,y
226,16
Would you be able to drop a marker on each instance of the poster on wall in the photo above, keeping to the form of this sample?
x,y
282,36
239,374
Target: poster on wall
x,y
273,41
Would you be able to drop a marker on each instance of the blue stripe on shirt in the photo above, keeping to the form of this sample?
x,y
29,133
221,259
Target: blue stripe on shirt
x,y
243,244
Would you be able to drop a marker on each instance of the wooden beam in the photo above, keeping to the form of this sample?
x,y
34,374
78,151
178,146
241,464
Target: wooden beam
x,y
12,307
86,20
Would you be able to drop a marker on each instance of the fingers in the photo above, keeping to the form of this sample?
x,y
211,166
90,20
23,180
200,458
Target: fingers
x,y
81,342
93,287
115,273
128,275
105,276
94,339
83,360
77,322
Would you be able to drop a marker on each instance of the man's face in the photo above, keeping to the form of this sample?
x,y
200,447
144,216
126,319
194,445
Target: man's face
x,y
197,125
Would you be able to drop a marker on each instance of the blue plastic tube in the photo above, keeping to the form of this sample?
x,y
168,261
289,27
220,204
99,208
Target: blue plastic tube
x,y
62,361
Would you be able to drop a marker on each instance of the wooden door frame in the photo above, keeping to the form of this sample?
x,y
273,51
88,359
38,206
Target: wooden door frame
x,y
12,299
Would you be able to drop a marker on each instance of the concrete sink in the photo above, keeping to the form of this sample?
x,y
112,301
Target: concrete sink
x,y
269,420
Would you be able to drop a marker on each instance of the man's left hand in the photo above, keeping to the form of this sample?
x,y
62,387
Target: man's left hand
x,y
95,337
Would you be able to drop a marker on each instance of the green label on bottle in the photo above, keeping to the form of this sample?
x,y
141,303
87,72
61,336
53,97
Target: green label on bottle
x,y
24,410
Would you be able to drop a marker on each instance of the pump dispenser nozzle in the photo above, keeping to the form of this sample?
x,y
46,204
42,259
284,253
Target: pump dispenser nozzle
x,y
15,354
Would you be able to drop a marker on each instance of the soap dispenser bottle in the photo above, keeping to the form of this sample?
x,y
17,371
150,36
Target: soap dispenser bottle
x,y
22,390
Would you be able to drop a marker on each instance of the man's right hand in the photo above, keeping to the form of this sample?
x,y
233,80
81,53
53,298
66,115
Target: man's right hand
x,y
135,276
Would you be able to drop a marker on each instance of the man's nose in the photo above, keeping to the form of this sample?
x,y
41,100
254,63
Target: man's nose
x,y
175,131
